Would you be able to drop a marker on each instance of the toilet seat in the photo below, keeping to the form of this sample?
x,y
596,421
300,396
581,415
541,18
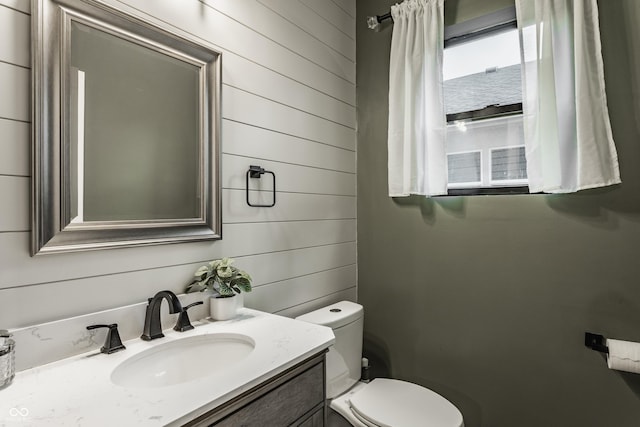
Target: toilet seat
x,y
393,403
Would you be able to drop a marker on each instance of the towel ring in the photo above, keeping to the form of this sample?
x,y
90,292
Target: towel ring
x,y
257,172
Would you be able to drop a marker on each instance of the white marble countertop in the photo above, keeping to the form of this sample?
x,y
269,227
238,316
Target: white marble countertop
x,y
78,391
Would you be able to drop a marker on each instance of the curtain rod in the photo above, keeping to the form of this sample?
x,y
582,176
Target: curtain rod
x,y
373,22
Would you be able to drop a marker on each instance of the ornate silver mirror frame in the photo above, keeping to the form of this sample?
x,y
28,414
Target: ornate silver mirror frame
x,y
54,228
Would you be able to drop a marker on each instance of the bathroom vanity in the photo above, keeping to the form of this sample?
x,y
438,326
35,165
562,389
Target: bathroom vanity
x,y
255,370
294,398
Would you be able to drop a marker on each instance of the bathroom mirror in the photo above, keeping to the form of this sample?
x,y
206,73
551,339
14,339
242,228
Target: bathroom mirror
x,y
125,131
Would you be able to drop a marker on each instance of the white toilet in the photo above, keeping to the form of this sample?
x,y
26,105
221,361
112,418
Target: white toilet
x,y
382,402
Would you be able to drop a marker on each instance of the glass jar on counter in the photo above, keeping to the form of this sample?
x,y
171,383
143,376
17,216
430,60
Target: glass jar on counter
x,y
7,359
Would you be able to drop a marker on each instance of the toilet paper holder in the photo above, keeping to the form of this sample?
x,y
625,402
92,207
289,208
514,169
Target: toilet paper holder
x,y
596,342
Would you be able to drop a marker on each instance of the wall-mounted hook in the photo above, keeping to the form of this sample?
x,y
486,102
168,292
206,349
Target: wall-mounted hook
x,y
257,172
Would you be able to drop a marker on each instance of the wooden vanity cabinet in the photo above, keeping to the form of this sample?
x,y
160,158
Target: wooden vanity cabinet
x,y
295,397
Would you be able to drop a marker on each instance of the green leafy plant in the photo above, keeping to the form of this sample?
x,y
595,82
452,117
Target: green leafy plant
x,y
221,277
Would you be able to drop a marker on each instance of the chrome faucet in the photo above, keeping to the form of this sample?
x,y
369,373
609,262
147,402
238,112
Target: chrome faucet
x,y
152,326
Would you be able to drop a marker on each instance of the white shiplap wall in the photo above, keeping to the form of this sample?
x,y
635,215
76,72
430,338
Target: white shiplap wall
x,y
288,105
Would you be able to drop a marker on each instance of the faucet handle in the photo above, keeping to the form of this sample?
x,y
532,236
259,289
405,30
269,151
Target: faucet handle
x,y
184,324
113,342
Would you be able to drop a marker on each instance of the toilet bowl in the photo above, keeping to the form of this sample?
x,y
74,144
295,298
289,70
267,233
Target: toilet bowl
x,y
383,402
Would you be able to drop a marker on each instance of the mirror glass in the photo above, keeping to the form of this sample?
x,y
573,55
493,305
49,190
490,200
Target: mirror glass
x,y
126,131
134,131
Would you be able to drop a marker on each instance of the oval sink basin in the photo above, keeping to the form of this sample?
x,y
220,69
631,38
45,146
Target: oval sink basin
x,y
182,360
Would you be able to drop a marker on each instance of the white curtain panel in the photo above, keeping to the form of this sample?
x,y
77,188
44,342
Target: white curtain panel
x,y
568,139
416,145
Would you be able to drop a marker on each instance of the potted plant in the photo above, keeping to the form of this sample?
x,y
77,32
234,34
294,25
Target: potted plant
x,y
226,281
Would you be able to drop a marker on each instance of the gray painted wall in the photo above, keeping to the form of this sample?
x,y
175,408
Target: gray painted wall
x,y
486,299
288,105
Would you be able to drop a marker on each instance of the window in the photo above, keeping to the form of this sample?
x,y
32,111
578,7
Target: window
x,y
508,166
483,103
464,169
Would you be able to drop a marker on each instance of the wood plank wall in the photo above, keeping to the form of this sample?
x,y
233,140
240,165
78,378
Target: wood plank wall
x,y
288,105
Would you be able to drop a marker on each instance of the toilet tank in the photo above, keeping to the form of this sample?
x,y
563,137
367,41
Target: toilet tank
x,y
346,318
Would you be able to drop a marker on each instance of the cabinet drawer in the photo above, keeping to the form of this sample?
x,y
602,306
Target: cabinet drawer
x,y
284,404
292,398
315,420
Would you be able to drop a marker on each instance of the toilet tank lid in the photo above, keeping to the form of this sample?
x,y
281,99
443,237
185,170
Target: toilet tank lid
x,y
335,315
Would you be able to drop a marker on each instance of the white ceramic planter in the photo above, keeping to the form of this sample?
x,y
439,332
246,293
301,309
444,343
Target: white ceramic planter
x,y
223,308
